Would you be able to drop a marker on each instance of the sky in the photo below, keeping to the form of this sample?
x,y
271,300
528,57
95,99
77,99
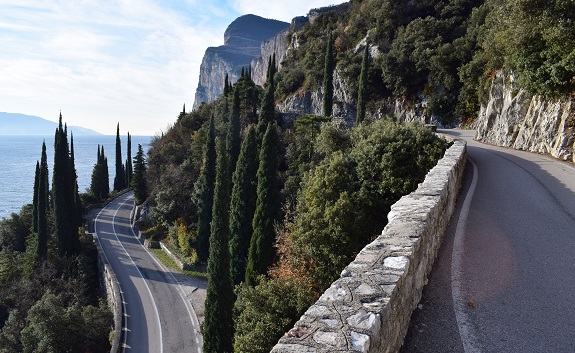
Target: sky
x,y
103,62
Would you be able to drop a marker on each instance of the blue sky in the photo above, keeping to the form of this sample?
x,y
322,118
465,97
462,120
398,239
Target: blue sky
x,y
100,62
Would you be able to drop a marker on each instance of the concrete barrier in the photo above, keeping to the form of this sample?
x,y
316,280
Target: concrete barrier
x,y
368,309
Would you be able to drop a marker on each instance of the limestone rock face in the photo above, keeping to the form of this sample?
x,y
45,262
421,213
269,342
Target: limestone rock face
x,y
514,119
306,102
275,45
242,43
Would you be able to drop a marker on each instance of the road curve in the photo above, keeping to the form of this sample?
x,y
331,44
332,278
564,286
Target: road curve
x,y
504,277
158,316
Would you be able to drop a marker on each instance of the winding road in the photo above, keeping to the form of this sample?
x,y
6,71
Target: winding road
x,y
158,315
504,279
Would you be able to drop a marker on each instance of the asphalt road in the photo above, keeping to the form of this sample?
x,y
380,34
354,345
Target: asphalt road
x,y
158,314
504,279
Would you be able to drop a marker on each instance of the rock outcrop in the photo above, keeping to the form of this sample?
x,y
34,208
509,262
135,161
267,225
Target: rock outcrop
x,y
513,118
242,43
307,102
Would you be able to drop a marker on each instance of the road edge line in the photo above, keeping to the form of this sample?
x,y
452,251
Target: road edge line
x,y
468,339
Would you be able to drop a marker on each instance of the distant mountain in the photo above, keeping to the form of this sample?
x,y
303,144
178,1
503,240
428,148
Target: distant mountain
x,y
20,124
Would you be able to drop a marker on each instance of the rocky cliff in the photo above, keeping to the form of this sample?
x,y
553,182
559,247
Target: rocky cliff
x,y
242,43
513,118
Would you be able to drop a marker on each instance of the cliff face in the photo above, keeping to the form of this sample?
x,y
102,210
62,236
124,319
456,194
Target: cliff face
x,y
306,102
242,43
514,119
275,45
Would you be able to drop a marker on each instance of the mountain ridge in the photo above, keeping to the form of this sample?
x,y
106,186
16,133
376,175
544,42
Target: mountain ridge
x,y
22,124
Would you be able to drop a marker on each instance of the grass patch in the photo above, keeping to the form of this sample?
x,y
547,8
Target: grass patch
x,y
168,262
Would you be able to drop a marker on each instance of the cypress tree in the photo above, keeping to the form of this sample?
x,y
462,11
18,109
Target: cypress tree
x,y
95,181
42,209
233,139
328,78
129,168
78,210
35,199
44,167
261,253
242,74
218,325
242,206
119,179
105,175
226,85
267,110
361,91
138,183
205,189
67,239
100,185
182,113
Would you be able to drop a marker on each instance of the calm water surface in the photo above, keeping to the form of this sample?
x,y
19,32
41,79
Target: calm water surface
x,y
18,156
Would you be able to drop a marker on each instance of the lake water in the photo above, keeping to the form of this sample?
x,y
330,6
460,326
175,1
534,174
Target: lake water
x,y
18,156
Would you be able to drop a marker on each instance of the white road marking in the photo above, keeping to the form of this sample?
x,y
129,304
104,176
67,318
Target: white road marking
x,y
468,339
141,275
181,292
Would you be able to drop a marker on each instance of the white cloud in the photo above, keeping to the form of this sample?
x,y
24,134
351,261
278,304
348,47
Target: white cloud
x,y
101,62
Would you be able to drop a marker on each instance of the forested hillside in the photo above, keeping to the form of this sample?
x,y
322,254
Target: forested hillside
x,y
277,207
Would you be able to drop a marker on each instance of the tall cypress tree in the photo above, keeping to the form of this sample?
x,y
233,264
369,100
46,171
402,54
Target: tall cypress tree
x,y
218,325
139,178
328,77
100,185
226,85
64,201
129,168
205,190
44,167
261,253
233,139
78,210
361,91
42,209
35,198
267,110
119,179
243,205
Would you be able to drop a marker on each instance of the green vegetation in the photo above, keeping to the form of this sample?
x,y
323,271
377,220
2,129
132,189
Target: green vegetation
x,y
63,187
329,66
362,89
138,178
120,178
205,189
242,206
217,328
100,186
129,167
261,251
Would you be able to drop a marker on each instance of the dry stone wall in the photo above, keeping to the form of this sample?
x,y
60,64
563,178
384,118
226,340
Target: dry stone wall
x,y
368,309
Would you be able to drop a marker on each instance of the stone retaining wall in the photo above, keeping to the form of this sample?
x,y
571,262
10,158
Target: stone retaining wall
x,y
113,296
368,309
